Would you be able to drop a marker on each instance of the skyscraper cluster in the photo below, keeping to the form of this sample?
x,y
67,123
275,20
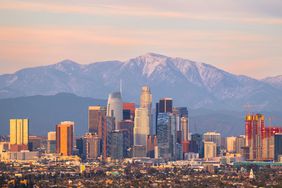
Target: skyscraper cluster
x,y
127,130
260,140
124,130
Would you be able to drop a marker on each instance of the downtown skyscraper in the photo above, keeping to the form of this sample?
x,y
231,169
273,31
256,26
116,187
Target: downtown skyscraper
x,y
142,120
260,144
64,138
19,133
115,108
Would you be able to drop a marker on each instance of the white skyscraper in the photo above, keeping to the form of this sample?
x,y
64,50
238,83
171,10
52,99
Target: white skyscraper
x,y
146,102
115,107
142,120
141,126
146,99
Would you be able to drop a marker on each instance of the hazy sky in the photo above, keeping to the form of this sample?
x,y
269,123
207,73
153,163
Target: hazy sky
x,y
240,36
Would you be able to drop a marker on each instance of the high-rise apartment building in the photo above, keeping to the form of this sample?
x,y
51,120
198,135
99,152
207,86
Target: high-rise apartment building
x,y
212,137
254,127
51,142
259,139
19,134
115,107
231,144
91,146
268,142
209,149
96,118
240,144
64,138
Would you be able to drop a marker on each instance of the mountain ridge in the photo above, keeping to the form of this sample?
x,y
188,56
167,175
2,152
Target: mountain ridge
x,y
190,83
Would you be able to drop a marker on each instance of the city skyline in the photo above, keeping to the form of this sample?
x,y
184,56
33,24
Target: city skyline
x,y
125,93
240,37
120,135
167,137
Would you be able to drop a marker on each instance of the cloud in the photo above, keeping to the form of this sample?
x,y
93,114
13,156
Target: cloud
x,y
141,11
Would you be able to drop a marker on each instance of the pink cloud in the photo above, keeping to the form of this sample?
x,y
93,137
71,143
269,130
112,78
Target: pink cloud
x,y
139,11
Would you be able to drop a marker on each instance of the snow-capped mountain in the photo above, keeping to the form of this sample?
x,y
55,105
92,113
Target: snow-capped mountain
x,y
275,81
190,83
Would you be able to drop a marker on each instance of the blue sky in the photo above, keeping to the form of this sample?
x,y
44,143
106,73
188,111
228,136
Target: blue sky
x,y
242,36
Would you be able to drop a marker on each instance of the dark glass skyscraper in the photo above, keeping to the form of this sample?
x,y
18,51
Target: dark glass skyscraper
x,y
165,105
277,146
96,114
164,136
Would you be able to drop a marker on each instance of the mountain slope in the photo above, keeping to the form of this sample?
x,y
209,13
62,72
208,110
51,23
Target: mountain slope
x,y
192,84
45,112
275,81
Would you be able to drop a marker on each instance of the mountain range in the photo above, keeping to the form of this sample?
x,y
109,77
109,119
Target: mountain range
x,y
192,84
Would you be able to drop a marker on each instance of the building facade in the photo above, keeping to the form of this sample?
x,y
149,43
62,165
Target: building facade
x,y
115,107
19,134
64,138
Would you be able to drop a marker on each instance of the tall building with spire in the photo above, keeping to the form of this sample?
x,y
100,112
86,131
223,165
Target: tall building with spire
x,y
115,107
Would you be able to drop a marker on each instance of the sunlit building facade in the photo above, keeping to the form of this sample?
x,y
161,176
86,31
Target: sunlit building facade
x,y
231,144
141,126
210,150
19,134
64,138
51,142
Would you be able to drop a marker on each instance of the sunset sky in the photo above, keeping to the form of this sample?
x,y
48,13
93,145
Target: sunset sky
x,y
239,36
